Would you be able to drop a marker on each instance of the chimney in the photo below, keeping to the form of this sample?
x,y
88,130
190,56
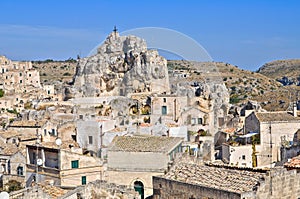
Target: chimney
x,y
295,109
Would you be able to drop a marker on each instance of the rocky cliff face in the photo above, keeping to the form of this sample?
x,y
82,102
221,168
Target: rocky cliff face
x,y
122,65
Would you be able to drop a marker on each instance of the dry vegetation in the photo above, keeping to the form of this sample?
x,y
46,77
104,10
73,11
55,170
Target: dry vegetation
x,y
280,68
242,85
245,85
55,71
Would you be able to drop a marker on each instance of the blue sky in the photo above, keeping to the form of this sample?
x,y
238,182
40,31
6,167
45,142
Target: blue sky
x,y
244,33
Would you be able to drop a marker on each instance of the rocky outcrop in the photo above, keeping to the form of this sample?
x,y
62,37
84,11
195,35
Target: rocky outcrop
x,y
122,65
282,68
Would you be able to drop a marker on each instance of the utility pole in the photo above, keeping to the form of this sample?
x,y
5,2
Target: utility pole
x,y
138,118
271,155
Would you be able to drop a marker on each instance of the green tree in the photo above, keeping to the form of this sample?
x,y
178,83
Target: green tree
x,y
1,93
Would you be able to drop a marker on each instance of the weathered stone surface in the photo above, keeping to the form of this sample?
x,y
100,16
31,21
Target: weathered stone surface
x,y
122,65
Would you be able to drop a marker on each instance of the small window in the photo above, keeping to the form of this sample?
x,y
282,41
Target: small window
x,y
83,180
90,139
74,164
45,132
29,75
164,110
20,171
53,132
165,100
243,157
21,81
48,92
81,117
200,121
193,121
20,74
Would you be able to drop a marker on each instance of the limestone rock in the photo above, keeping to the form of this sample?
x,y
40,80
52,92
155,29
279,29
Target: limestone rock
x,y
122,65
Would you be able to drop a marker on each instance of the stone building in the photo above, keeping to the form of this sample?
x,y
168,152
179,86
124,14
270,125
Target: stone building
x,y
102,189
281,125
132,161
191,180
17,76
12,164
65,165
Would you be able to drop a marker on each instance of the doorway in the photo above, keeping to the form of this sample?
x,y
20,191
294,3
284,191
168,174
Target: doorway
x,y
139,187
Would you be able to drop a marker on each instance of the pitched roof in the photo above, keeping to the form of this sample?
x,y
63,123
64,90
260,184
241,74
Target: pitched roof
x,y
232,180
53,191
27,123
144,143
21,135
9,149
276,117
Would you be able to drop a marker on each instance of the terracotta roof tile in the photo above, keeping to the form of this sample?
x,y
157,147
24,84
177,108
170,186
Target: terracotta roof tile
x,y
237,181
9,149
294,163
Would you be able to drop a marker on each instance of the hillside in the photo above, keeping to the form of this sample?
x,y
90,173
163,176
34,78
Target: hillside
x,y
55,71
282,68
245,85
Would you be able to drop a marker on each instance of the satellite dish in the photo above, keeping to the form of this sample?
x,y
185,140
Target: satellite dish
x,y
4,195
39,162
58,142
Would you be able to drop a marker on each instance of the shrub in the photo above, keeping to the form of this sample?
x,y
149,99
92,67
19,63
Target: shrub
x,y
1,93
13,185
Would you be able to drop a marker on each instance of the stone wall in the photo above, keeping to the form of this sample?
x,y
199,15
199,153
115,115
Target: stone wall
x,y
128,178
167,189
137,161
285,185
101,189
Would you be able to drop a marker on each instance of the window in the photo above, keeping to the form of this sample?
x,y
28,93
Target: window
x,y
243,157
83,180
48,92
21,81
200,121
75,164
193,121
53,132
20,171
45,132
20,74
164,110
81,117
165,100
90,139
29,75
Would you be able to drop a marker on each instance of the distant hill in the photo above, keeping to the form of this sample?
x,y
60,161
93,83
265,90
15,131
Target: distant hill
x,y
244,85
285,71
